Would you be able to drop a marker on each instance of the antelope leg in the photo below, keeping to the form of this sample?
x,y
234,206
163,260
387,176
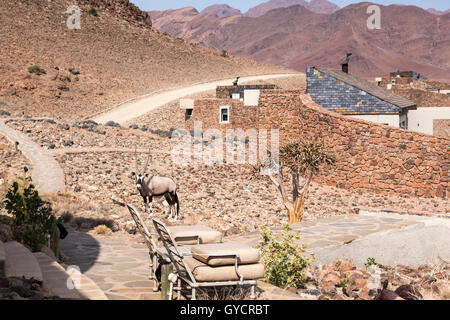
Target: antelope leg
x,y
145,204
151,206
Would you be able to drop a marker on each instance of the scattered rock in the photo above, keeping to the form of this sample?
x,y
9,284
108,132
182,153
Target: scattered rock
x,y
408,292
64,126
74,71
112,124
330,279
341,265
68,143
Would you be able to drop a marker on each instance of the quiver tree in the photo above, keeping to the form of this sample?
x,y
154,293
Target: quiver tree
x,y
300,158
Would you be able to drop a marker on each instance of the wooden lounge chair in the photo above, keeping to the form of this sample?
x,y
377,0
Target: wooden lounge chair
x,y
185,235
212,265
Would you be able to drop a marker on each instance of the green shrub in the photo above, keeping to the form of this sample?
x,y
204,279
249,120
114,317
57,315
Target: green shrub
x,y
92,12
37,70
284,260
224,53
33,219
370,262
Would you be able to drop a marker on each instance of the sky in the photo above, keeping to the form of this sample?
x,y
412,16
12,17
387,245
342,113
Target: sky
x,y
149,5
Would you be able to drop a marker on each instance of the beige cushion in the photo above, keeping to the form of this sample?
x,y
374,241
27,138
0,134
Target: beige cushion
x,y
206,234
208,253
205,273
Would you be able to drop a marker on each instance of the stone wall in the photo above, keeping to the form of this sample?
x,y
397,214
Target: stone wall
x,y
441,128
371,157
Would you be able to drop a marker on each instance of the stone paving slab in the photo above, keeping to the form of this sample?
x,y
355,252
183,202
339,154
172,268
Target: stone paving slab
x,y
335,230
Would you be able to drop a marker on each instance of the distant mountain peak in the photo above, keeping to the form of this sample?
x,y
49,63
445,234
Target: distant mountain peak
x,y
316,6
437,12
221,10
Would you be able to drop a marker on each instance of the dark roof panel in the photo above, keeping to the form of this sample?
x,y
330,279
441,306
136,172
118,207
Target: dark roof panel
x,y
369,87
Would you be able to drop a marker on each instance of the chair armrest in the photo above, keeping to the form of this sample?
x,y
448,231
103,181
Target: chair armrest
x,y
187,238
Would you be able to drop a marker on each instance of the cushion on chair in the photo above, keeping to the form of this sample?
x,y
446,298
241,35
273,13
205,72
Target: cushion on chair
x,y
206,234
205,273
207,253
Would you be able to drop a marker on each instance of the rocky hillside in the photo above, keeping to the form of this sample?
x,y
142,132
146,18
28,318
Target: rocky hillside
x,y
410,38
115,56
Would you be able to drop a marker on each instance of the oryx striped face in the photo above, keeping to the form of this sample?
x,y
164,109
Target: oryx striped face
x,y
139,181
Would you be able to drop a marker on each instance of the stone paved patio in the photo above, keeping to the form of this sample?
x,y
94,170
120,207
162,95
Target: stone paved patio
x,y
120,267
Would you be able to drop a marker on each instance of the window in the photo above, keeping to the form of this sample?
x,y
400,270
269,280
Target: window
x,y
189,114
236,96
224,115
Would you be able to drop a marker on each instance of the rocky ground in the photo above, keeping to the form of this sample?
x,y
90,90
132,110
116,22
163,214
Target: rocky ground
x,y
343,281
230,197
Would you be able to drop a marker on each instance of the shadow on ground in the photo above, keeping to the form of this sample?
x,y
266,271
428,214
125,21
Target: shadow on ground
x,y
82,249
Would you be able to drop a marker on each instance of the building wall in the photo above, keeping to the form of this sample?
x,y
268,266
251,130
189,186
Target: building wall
x,y
370,156
225,92
343,98
392,120
421,120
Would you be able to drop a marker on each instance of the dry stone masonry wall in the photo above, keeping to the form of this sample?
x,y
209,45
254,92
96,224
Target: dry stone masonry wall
x,y
370,156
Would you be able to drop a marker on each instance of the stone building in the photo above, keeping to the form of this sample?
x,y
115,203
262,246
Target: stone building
x,y
432,115
352,96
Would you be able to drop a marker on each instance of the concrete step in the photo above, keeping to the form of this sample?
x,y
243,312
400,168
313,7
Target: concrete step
x,y
20,262
55,277
2,258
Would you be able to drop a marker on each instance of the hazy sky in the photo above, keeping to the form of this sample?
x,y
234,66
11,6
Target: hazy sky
x,y
247,4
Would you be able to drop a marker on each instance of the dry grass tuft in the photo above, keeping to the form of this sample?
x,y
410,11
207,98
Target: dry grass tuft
x,y
103,230
224,293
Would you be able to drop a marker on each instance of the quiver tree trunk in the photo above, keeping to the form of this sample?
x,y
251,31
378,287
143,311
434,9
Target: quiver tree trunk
x,y
294,208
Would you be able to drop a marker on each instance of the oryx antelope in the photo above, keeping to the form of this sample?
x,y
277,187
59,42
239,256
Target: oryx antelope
x,y
150,186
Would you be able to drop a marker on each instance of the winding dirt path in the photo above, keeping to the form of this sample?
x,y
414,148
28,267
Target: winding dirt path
x,y
48,175
140,106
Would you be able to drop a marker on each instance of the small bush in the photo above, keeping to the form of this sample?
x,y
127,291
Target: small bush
x,y
224,53
370,262
284,260
33,218
36,70
92,12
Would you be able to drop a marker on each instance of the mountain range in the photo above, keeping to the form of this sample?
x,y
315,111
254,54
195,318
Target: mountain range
x,y
410,38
